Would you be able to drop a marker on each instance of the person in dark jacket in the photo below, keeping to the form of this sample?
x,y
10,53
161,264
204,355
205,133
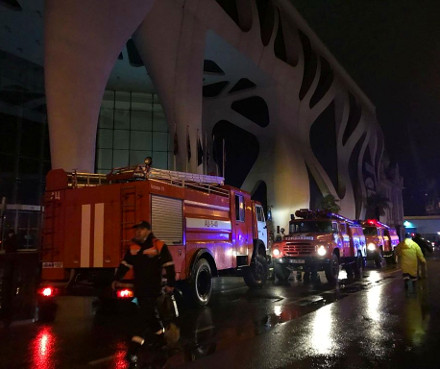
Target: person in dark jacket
x,y
147,256
424,246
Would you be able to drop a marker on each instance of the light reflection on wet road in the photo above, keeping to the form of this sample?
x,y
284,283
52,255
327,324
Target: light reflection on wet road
x,y
359,324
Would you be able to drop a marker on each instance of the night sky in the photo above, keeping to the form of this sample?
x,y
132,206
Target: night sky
x,y
391,48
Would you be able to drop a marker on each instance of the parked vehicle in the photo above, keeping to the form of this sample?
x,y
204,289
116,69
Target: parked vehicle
x,y
319,241
381,242
209,227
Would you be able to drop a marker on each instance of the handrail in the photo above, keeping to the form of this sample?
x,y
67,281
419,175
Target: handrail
x,y
207,183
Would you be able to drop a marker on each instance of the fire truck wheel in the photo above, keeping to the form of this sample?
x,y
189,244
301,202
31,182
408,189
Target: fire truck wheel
x,y
201,283
281,274
378,261
358,266
332,269
392,259
256,274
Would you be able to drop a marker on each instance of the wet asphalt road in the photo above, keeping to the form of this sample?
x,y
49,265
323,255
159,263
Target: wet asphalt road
x,y
369,323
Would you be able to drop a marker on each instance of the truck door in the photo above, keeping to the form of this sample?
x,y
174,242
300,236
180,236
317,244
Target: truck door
x,y
242,224
345,239
336,236
386,241
261,224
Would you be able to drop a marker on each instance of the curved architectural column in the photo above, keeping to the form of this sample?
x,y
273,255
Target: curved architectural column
x,y
82,42
173,51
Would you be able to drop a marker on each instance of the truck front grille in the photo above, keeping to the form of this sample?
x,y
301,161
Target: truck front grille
x,y
299,248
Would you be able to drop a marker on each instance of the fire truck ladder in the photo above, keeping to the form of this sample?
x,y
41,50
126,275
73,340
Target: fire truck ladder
x,y
210,184
128,215
49,219
77,179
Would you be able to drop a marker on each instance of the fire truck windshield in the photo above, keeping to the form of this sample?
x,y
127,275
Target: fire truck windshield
x,y
370,231
311,226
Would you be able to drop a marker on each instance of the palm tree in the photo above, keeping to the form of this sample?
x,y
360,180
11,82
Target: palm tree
x,y
329,204
376,205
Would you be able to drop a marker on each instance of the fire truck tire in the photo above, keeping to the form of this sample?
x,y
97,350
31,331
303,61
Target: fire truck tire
x,y
281,274
358,266
332,269
392,259
256,274
378,261
201,282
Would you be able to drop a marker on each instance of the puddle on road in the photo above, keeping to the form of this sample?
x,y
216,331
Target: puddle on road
x,y
315,295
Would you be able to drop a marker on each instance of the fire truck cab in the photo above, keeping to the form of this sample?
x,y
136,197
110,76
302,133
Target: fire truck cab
x,y
319,241
381,241
208,227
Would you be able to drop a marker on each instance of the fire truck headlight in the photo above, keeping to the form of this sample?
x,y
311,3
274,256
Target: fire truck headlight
x,y
276,253
322,250
371,246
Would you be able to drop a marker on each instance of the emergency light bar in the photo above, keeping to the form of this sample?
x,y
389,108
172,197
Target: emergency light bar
x,y
313,214
376,223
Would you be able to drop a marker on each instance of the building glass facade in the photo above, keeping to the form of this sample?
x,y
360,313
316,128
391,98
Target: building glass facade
x,y
131,126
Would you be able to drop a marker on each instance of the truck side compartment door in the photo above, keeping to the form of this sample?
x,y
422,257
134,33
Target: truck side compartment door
x,y
241,218
261,225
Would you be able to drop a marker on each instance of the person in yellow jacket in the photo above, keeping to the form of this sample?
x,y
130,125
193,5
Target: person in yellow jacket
x,y
409,254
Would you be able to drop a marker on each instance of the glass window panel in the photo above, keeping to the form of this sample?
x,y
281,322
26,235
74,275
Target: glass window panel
x,y
105,138
106,118
141,120
7,186
28,191
122,119
104,158
8,131
46,149
7,163
141,101
122,100
160,123
120,158
160,160
108,99
31,139
120,139
160,141
29,166
137,157
140,141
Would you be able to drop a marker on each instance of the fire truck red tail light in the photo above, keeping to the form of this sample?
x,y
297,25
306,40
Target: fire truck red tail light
x,y
47,292
125,294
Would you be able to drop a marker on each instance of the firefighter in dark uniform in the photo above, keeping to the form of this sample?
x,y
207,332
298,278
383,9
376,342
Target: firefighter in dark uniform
x,y
147,256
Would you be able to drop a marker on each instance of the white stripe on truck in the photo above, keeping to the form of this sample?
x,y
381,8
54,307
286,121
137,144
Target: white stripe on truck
x,y
98,236
208,224
85,236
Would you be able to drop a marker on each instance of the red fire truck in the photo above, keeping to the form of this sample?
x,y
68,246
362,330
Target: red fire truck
x,y
381,241
208,226
319,241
